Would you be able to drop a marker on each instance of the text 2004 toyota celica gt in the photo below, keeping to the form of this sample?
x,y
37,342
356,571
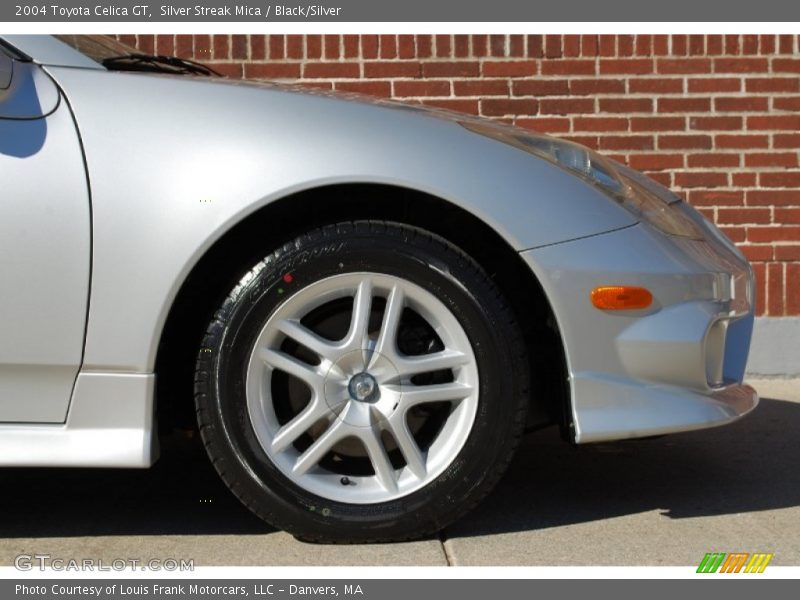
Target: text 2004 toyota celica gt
x,y
364,303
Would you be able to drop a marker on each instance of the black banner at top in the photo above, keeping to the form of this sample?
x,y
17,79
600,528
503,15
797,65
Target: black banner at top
x,y
210,11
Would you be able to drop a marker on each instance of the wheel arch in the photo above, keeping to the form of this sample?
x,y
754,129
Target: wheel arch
x,y
244,244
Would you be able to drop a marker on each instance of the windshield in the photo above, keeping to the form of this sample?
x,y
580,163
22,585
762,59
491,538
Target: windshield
x,y
97,47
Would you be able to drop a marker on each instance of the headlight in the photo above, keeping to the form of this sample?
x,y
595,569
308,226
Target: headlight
x,y
639,194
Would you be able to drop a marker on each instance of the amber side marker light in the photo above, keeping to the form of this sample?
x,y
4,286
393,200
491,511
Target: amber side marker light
x,y
621,297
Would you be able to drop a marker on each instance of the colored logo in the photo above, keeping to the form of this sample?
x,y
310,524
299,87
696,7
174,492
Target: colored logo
x,y
736,562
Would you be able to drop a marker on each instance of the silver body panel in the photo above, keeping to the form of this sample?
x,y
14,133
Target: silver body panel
x,y
176,162
45,237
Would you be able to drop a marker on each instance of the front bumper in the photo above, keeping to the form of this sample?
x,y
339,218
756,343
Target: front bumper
x,y
676,366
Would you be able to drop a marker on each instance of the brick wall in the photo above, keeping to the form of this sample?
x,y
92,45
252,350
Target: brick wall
x,y
715,117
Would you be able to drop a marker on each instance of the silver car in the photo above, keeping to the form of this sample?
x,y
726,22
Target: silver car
x,y
363,304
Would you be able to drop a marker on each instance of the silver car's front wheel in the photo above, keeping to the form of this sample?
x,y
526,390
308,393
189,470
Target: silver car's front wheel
x,y
356,426
366,382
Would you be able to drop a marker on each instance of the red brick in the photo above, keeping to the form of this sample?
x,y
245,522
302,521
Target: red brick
x,y
552,46
568,67
773,84
626,105
497,45
406,46
313,46
745,104
792,290
424,46
637,66
775,289
743,179
295,47
787,252
221,47
183,46
774,233
508,106
146,43
330,70
716,84
787,215
740,65
584,87
660,85
589,45
680,142
760,271
684,104
607,45
566,106
165,44
350,45
789,122
600,124
716,123
388,45
425,88
676,66
740,216
716,198
791,103
780,179
330,44
786,65
735,234
713,160
771,159
741,141
444,47
536,46
626,142
702,179
391,69
369,46
754,253
450,69
658,124
655,162
481,87
460,45
258,47
572,45
625,45
541,87
714,44
643,45
511,68
272,70
786,140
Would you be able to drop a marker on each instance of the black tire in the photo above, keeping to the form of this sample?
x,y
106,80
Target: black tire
x,y
381,247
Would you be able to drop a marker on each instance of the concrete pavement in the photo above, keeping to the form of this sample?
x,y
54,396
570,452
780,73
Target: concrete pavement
x,y
663,501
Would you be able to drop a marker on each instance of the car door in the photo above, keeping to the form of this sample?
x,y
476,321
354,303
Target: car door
x,y
45,246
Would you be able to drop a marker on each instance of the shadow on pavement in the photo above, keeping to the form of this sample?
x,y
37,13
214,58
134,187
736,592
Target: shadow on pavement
x,y
180,494
745,467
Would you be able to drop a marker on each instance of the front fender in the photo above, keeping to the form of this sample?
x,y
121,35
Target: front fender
x,y
176,162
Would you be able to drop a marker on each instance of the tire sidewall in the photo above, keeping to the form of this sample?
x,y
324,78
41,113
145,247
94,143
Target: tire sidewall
x,y
426,261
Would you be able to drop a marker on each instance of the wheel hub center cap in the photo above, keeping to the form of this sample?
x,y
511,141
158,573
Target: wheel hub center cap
x,y
363,387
